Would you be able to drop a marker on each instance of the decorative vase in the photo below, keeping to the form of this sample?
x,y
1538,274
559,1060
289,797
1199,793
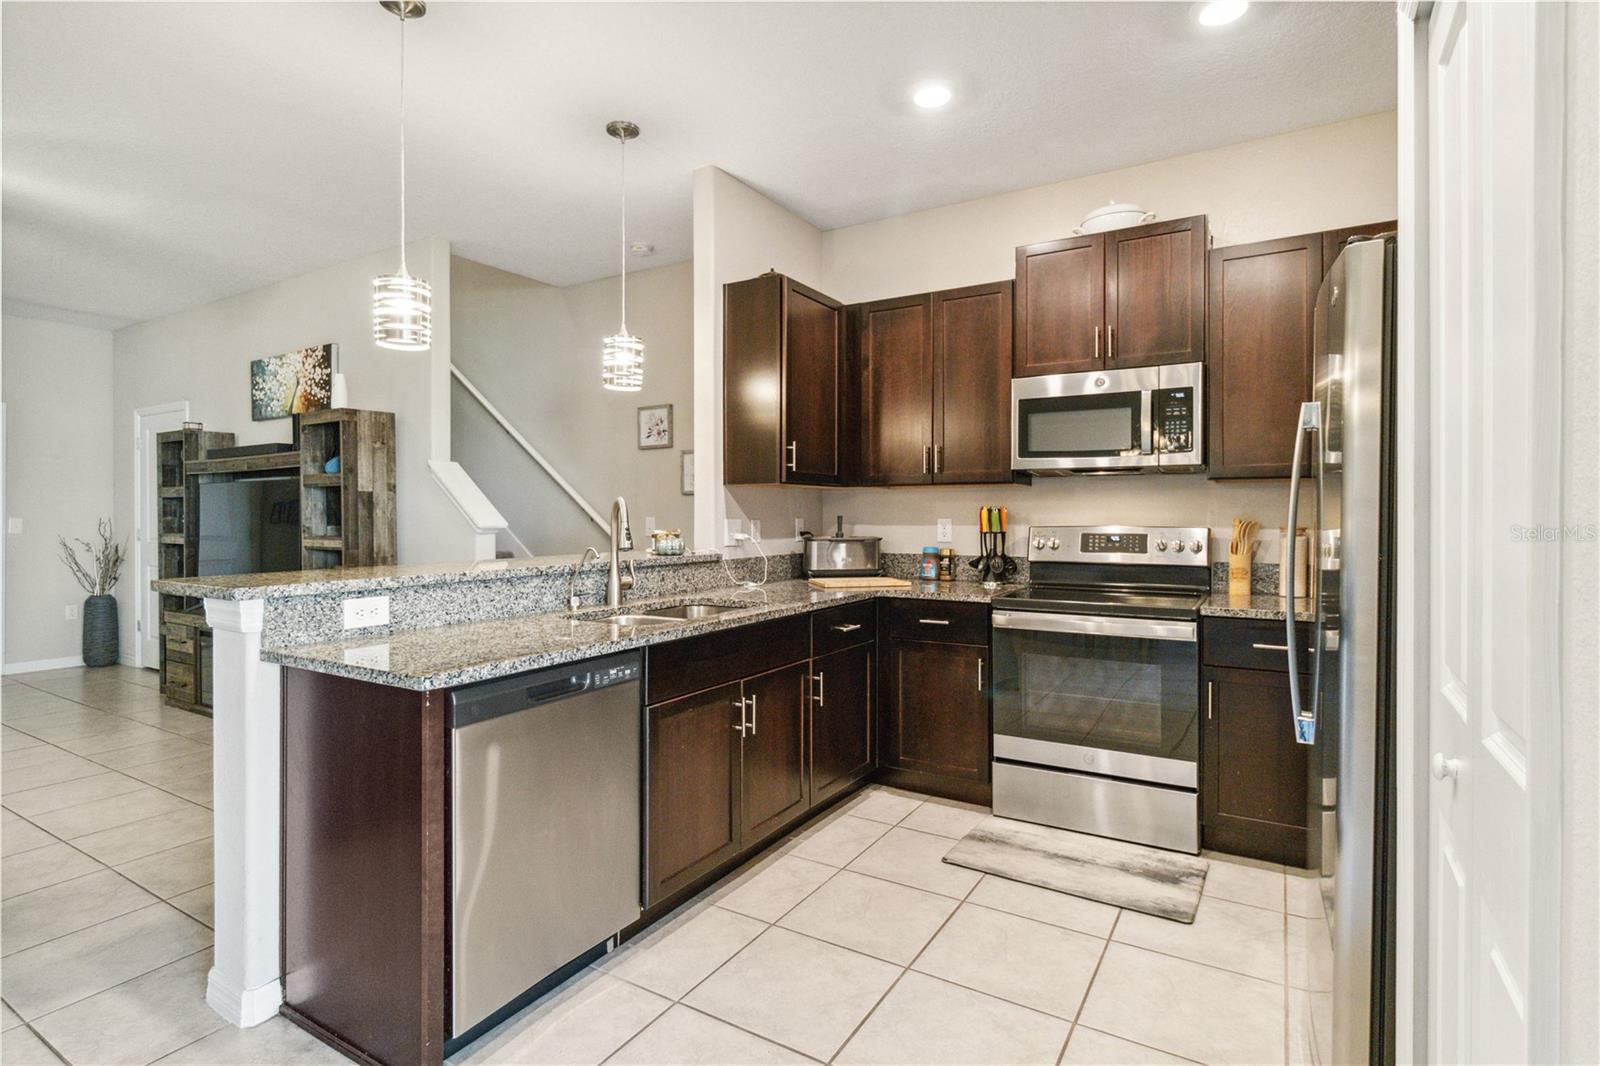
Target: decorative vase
x,y
100,630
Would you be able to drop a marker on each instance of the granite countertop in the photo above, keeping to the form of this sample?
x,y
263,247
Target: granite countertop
x,y
447,656
1222,605
376,578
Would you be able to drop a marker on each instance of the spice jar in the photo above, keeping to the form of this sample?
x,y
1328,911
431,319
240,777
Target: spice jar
x,y
929,570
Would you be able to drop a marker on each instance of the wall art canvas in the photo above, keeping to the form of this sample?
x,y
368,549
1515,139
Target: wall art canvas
x,y
292,383
655,426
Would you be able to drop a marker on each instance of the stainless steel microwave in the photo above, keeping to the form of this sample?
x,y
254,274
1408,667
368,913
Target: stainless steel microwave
x,y
1148,418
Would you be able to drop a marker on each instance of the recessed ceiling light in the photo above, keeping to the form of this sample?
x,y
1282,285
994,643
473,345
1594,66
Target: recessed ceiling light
x,y
642,248
1220,12
931,96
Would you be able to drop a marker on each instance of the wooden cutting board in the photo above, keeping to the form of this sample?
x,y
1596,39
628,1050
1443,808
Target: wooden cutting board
x,y
858,583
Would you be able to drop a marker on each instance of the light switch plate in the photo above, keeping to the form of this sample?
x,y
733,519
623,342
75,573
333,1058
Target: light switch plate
x,y
946,533
650,524
13,525
755,529
72,611
366,611
799,524
732,528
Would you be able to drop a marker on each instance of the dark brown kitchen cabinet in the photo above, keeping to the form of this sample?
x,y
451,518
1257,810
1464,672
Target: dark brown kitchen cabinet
x,y
694,787
933,717
775,788
1123,298
1334,240
1156,293
841,720
1061,306
1254,783
784,376
1261,306
935,374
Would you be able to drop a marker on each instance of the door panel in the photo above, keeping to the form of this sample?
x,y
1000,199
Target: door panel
x,y
1253,793
1261,306
896,352
775,787
812,375
972,364
693,789
1155,293
1061,305
936,714
841,720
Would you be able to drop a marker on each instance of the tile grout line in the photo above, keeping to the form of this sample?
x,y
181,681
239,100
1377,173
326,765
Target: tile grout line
x,y
119,984
1088,987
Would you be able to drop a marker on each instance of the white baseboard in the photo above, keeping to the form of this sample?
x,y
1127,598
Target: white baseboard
x,y
243,1009
33,666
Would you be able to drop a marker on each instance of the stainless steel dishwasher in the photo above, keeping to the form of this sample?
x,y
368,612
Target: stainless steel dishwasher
x,y
544,826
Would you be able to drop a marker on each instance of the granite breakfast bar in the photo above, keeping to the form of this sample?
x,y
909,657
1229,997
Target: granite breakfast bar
x,y
447,626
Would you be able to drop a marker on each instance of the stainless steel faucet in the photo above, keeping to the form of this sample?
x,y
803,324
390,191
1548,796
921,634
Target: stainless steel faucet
x,y
621,541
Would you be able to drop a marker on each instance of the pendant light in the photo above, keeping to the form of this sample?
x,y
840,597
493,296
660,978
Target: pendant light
x,y
402,305
622,356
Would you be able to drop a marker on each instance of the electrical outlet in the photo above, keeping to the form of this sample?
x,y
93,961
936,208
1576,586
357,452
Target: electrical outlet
x,y
14,525
755,529
799,524
366,611
650,524
72,612
946,533
732,527
373,657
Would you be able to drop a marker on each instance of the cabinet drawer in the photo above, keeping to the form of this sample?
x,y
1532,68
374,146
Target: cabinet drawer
x,y
684,666
181,648
843,627
180,674
952,623
1250,643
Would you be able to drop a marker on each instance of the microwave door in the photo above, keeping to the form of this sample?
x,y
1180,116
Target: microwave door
x,y
1082,421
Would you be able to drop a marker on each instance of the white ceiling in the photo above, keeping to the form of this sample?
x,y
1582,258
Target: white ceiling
x,y
161,155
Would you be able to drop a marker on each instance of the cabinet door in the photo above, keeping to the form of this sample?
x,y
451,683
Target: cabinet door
x,y
895,348
813,373
841,720
972,384
1156,293
775,788
752,360
1253,799
1261,304
693,821
935,715
1061,305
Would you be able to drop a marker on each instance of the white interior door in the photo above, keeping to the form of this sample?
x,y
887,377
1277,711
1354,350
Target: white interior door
x,y
148,421
1489,457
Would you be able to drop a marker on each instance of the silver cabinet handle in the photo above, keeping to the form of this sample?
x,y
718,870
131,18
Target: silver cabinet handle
x,y
1211,694
1097,344
980,674
752,714
927,452
794,455
934,621
938,457
847,627
1270,647
820,695
1111,343
740,728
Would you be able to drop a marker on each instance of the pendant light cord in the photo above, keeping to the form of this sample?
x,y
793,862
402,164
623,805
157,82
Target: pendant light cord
x,y
403,271
623,141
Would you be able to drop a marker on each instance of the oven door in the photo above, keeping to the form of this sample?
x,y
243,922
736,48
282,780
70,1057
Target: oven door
x,y
1112,696
1100,420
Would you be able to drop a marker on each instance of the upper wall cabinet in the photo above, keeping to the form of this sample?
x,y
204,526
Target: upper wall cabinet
x,y
1261,345
1128,297
784,369
935,387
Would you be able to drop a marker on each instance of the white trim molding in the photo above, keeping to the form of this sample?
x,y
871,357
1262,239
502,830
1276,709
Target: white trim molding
x,y
33,666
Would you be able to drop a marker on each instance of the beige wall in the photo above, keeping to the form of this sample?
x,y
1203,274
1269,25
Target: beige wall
x,y
58,469
1580,555
1320,178
203,355
534,351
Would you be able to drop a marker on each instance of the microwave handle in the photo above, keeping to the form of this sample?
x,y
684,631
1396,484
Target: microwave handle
x,y
1146,420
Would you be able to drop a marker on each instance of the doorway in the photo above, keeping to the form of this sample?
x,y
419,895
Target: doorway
x,y
147,422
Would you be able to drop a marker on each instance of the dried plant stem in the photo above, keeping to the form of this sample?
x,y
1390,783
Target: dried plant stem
x,y
106,558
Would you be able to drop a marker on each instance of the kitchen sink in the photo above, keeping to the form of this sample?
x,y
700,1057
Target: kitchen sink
x,y
691,611
638,620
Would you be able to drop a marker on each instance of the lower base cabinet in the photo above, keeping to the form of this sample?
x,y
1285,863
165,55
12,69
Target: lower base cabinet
x,y
841,720
694,787
774,786
933,716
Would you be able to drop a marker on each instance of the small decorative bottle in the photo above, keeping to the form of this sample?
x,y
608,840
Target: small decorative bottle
x,y
947,564
929,570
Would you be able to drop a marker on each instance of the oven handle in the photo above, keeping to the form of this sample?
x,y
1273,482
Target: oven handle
x,y
1047,622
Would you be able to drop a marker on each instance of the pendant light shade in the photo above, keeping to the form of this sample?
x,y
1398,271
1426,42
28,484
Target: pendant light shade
x,y
622,354
402,305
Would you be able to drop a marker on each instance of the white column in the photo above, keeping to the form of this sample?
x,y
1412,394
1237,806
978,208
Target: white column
x,y
245,985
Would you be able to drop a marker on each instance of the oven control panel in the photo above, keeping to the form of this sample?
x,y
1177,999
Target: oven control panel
x,y
1152,545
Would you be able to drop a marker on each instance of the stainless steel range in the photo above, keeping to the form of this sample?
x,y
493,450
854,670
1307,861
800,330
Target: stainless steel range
x,y
1097,683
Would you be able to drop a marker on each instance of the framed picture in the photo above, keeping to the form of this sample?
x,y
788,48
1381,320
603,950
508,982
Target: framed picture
x,y
655,426
686,473
292,383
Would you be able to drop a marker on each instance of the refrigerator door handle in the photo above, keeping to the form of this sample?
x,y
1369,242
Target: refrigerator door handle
x,y
1305,718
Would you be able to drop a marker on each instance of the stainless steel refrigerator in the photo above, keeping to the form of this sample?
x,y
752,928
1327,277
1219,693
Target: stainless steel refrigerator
x,y
1342,684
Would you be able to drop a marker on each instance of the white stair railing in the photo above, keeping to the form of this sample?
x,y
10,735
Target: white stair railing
x,y
533,453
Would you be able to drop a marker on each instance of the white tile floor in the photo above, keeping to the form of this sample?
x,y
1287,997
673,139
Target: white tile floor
x,y
849,942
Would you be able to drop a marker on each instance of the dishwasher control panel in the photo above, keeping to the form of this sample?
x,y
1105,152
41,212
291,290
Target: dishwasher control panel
x,y
614,674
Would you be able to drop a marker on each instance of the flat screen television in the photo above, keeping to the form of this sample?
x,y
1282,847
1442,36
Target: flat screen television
x,y
249,526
